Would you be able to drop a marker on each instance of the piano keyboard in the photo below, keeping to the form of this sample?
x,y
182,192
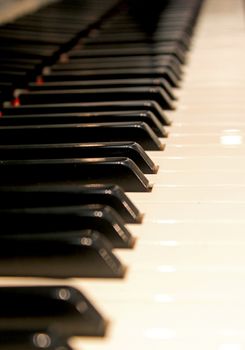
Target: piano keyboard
x,y
181,284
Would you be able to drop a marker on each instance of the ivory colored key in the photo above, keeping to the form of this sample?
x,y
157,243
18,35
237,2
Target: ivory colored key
x,y
185,285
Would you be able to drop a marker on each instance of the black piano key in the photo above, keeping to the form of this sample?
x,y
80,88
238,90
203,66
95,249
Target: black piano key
x,y
148,60
130,150
58,222
44,28
24,36
122,73
72,14
167,24
174,48
92,95
29,52
120,171
98,84
119,62
85,118
84,254
56,195
105,65
108,37
17,69
102,62
6,85
31,340
81,133
117,106
26,67
123,22
180,39
177,21
96,63
62,309
48,26
20,60
138,51
13,76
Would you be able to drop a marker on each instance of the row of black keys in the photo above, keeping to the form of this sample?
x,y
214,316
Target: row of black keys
x,y
36,39
28,45
66,309
79,124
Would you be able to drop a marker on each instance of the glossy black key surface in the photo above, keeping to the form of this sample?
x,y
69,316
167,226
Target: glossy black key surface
x,y
92,95
97,84
56,195
74,133
29,52
82,254
16,66
174,48
24,36
12,76
148,60
85,118
122,73
5,85
130,150
61,220
102,64
167,61
63,309
107,62
170,49
176,23
117,106
120,171
31,340
108,37
20,60
44,28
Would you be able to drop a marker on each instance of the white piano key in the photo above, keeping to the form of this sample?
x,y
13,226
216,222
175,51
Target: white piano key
x,y
198,178
207,128
210,162
219,139
201,114
158,211
168,328
189,232
191,194
173,150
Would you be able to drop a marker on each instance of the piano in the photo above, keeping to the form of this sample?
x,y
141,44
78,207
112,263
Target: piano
x,y
172,276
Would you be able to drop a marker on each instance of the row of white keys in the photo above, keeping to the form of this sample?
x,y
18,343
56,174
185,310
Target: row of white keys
x,y
186,280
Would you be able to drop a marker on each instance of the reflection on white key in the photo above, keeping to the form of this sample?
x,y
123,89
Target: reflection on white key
x,y
174,150
210,162
186,281
197,178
